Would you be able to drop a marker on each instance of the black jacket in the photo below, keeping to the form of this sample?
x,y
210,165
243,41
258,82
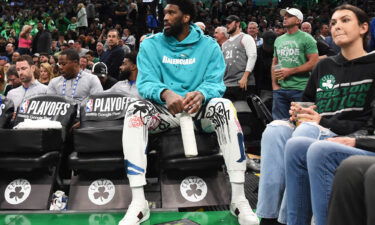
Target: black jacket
x,y
113,59
343,91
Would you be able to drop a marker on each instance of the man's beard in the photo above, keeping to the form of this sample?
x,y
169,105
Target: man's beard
x,y
231,31
124,75
174,30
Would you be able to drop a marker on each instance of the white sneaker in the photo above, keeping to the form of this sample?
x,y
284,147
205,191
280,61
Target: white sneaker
x,y
243,211
136,214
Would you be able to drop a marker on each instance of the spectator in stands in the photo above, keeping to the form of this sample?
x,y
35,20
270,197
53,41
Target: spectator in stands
x,y
340,110
81,18
12,78
114,55
100,69
279,29
372,35
91,58
43,58
240,54
323,48
73,25
128,38
253,31
46,73
3,60
128,76
124,47
25,40
327,38
221,35
201,25
99,50
202,87
15,57
36,59
2,81
30,86
84,64
262,68
295,54
73,82
9,50
42,40
78,47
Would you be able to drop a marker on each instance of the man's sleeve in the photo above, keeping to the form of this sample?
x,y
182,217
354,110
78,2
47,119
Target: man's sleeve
x,y
51,87
149,82
251,52
213,84
310,45
96,86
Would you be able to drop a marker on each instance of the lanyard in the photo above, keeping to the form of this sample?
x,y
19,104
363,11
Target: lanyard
x,y
74,85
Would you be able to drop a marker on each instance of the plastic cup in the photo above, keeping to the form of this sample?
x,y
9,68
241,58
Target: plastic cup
x,y
303,105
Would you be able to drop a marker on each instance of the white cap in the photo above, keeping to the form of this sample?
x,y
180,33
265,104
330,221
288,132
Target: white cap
x,y
292,11
70,42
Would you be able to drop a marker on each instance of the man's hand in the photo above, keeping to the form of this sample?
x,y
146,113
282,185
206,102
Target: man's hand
x,y
283,73
193,101
243,83
174,101
309,115
275,86
343,140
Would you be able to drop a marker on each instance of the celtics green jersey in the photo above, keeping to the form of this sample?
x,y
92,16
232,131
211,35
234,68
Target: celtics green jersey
x,y
291,51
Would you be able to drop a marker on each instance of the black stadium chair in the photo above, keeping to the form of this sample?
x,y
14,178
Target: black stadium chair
x,y
97,153
32,156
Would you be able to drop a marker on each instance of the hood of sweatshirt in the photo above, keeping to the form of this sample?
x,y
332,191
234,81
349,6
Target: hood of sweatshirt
x,y
194,36
340,60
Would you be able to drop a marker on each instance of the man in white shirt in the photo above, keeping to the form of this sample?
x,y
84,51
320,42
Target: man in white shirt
x,y
73,82
30,86
240,54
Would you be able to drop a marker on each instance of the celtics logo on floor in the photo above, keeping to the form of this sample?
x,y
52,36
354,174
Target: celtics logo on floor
x,y
327,82
101,191
17,191
193,189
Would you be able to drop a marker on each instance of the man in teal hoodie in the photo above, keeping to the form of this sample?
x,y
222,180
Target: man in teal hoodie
x,y
181,71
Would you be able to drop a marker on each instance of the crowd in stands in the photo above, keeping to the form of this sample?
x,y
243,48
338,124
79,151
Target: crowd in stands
x,y
42,40
44,28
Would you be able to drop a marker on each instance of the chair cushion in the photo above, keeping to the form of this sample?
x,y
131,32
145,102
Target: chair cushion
x,y
29,161
169,143
105,136
96,162
30,141
194,163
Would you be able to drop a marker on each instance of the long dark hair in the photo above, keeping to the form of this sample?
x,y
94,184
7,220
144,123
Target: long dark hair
x,y
362,18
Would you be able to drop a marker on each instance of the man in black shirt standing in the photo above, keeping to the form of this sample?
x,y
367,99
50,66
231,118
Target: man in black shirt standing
x,y
114,56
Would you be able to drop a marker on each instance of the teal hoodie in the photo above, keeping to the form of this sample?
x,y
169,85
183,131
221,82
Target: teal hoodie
x,y
194,64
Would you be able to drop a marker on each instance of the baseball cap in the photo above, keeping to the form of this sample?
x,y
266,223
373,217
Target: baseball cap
x,y
99,69
70,42
4,58
232,18
292,11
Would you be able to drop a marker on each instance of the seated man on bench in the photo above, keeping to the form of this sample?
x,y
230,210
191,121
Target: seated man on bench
x,y
184,75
